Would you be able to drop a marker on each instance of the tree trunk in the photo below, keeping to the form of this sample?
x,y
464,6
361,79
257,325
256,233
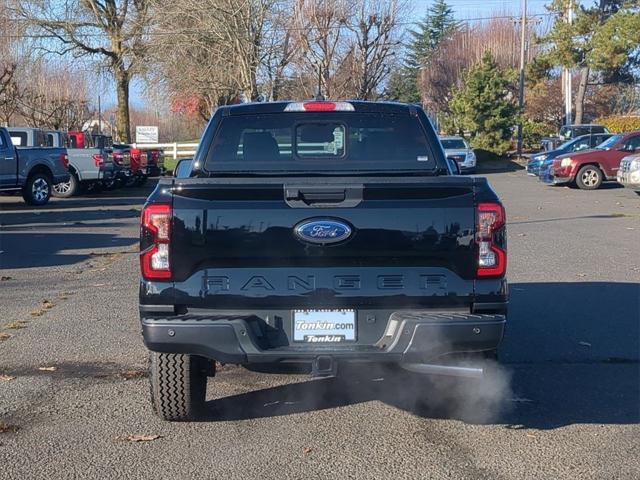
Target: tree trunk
x,y
582,91
122,116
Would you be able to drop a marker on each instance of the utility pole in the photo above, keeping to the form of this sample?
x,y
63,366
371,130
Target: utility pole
x,y
566,74
523,39
99,117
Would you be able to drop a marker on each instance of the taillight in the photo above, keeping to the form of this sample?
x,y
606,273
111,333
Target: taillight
x,y
98,160
319,106
155,241
64,159
492,240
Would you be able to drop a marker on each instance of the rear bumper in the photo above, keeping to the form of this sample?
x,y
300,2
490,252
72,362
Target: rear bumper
x,y
409,337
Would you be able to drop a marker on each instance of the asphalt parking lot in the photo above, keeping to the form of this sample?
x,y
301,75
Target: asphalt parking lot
x,y
565,404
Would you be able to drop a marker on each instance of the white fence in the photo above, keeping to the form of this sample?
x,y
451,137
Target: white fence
x,y
175,150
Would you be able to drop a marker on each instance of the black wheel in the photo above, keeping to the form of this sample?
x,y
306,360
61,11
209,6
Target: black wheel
x,y
637,192
178,385
589,177
37,191
67,189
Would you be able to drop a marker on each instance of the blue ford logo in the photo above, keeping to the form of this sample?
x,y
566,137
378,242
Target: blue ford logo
x,y
323,231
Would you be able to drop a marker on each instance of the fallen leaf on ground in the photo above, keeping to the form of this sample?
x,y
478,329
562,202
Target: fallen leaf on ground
x,y
131,374
584,344
143,438
6,378
47,304
6,428
16,325
531,435
5,336
37,313
522,234
5,278
307,450
47,369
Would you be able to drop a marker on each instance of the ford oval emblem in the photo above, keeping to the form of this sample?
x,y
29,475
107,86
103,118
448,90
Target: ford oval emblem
x,y
323,231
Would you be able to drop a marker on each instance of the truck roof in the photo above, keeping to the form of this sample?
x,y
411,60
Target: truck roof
x,y
277,107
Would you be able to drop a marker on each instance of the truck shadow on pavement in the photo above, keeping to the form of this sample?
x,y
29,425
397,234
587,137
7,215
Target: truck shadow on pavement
x,y
570,356
65,231
27,250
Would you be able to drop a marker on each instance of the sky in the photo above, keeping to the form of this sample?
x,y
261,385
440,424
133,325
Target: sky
x,y
463,9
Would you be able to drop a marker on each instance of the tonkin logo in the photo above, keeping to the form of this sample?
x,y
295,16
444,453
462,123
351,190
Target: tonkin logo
x,y
323,231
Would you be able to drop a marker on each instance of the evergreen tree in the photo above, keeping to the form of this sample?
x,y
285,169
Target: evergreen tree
x,y
485,107
437,25
603,38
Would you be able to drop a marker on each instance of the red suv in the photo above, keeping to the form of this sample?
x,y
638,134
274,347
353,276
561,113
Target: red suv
x,y
590,168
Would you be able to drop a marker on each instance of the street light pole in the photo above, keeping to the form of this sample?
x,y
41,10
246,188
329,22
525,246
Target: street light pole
x,y
566,74
523,37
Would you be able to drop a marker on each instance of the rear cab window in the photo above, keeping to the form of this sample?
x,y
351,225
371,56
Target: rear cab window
x,y
319,141
19,139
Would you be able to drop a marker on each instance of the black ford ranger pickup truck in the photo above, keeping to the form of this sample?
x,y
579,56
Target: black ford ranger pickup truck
x,y
318,233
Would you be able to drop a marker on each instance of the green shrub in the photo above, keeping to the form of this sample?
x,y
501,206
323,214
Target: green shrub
x,y
533,132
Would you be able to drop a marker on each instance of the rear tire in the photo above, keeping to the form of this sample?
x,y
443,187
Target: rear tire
x,y
637,192
589,177
38,189
67,189
178,385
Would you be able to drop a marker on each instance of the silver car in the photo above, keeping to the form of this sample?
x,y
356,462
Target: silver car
x,y
629,172
459,150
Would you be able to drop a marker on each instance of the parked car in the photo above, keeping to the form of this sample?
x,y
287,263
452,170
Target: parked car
x,y
567,132
542,160
629,172
459,150
318,233
89,163
589,169
34,170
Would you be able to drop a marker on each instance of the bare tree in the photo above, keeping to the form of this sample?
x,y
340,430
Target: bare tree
x,y
54,97
376,40
463,49
278,48
110,30
220,43
321,38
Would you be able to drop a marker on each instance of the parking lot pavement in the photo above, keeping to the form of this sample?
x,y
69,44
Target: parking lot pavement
x,y
566,403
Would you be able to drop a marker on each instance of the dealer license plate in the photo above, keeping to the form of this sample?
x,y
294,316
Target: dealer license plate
x,y
324,326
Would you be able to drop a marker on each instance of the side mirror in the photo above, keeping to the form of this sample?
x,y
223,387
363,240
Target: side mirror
x,y
453,166
183,168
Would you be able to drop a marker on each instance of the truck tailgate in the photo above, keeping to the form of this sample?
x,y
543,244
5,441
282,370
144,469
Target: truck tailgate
x,y
411,242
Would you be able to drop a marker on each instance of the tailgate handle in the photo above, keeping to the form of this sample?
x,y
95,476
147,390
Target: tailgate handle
x,y
310,197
